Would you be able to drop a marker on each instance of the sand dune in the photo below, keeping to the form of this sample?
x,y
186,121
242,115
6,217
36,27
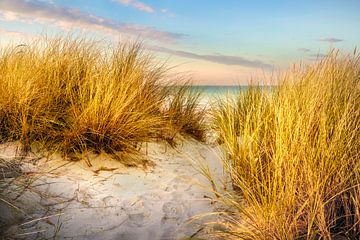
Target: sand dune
x,y
110,201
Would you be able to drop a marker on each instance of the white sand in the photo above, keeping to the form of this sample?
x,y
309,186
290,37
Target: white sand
x,y
125,203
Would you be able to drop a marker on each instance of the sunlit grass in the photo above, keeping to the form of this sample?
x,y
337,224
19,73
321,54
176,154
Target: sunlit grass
x,y
71,95
185,111
293,154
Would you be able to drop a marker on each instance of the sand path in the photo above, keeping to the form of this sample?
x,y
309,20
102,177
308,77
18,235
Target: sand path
x,y
110,201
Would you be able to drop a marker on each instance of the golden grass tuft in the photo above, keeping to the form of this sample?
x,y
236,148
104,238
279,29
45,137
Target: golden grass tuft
x,y
185,111
71,95
293,154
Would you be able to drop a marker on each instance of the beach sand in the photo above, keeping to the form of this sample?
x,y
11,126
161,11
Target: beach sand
x,y
102,199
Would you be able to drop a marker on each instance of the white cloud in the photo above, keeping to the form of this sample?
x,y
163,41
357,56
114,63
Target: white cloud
x,y
164,10
167,11
136,4
67,18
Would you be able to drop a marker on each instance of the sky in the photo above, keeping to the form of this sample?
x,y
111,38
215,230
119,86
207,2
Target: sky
x,y
215,42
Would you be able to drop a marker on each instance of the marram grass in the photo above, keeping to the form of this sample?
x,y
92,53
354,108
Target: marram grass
x,y
71,95
185,112
293,154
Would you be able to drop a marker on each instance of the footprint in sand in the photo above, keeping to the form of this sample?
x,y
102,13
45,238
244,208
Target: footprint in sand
x,y
182,182
138,214
153,196
110,201
173,211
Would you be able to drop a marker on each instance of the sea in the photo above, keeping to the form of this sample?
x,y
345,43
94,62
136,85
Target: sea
x,y
211,94
217,91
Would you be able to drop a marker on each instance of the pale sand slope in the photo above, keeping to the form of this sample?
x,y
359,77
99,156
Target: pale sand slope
x,y
126,203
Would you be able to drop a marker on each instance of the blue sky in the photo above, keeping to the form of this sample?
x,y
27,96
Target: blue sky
x,y
216,42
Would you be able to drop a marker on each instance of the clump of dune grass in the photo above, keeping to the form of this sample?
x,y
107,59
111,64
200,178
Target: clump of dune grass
x,y
185,112
293,155
71,95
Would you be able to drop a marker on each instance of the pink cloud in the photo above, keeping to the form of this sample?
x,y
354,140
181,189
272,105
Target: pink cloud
x,y
68,18
215,58
138,5
15,34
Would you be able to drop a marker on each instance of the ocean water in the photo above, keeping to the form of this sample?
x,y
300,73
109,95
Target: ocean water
x,y
218,91
212,94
